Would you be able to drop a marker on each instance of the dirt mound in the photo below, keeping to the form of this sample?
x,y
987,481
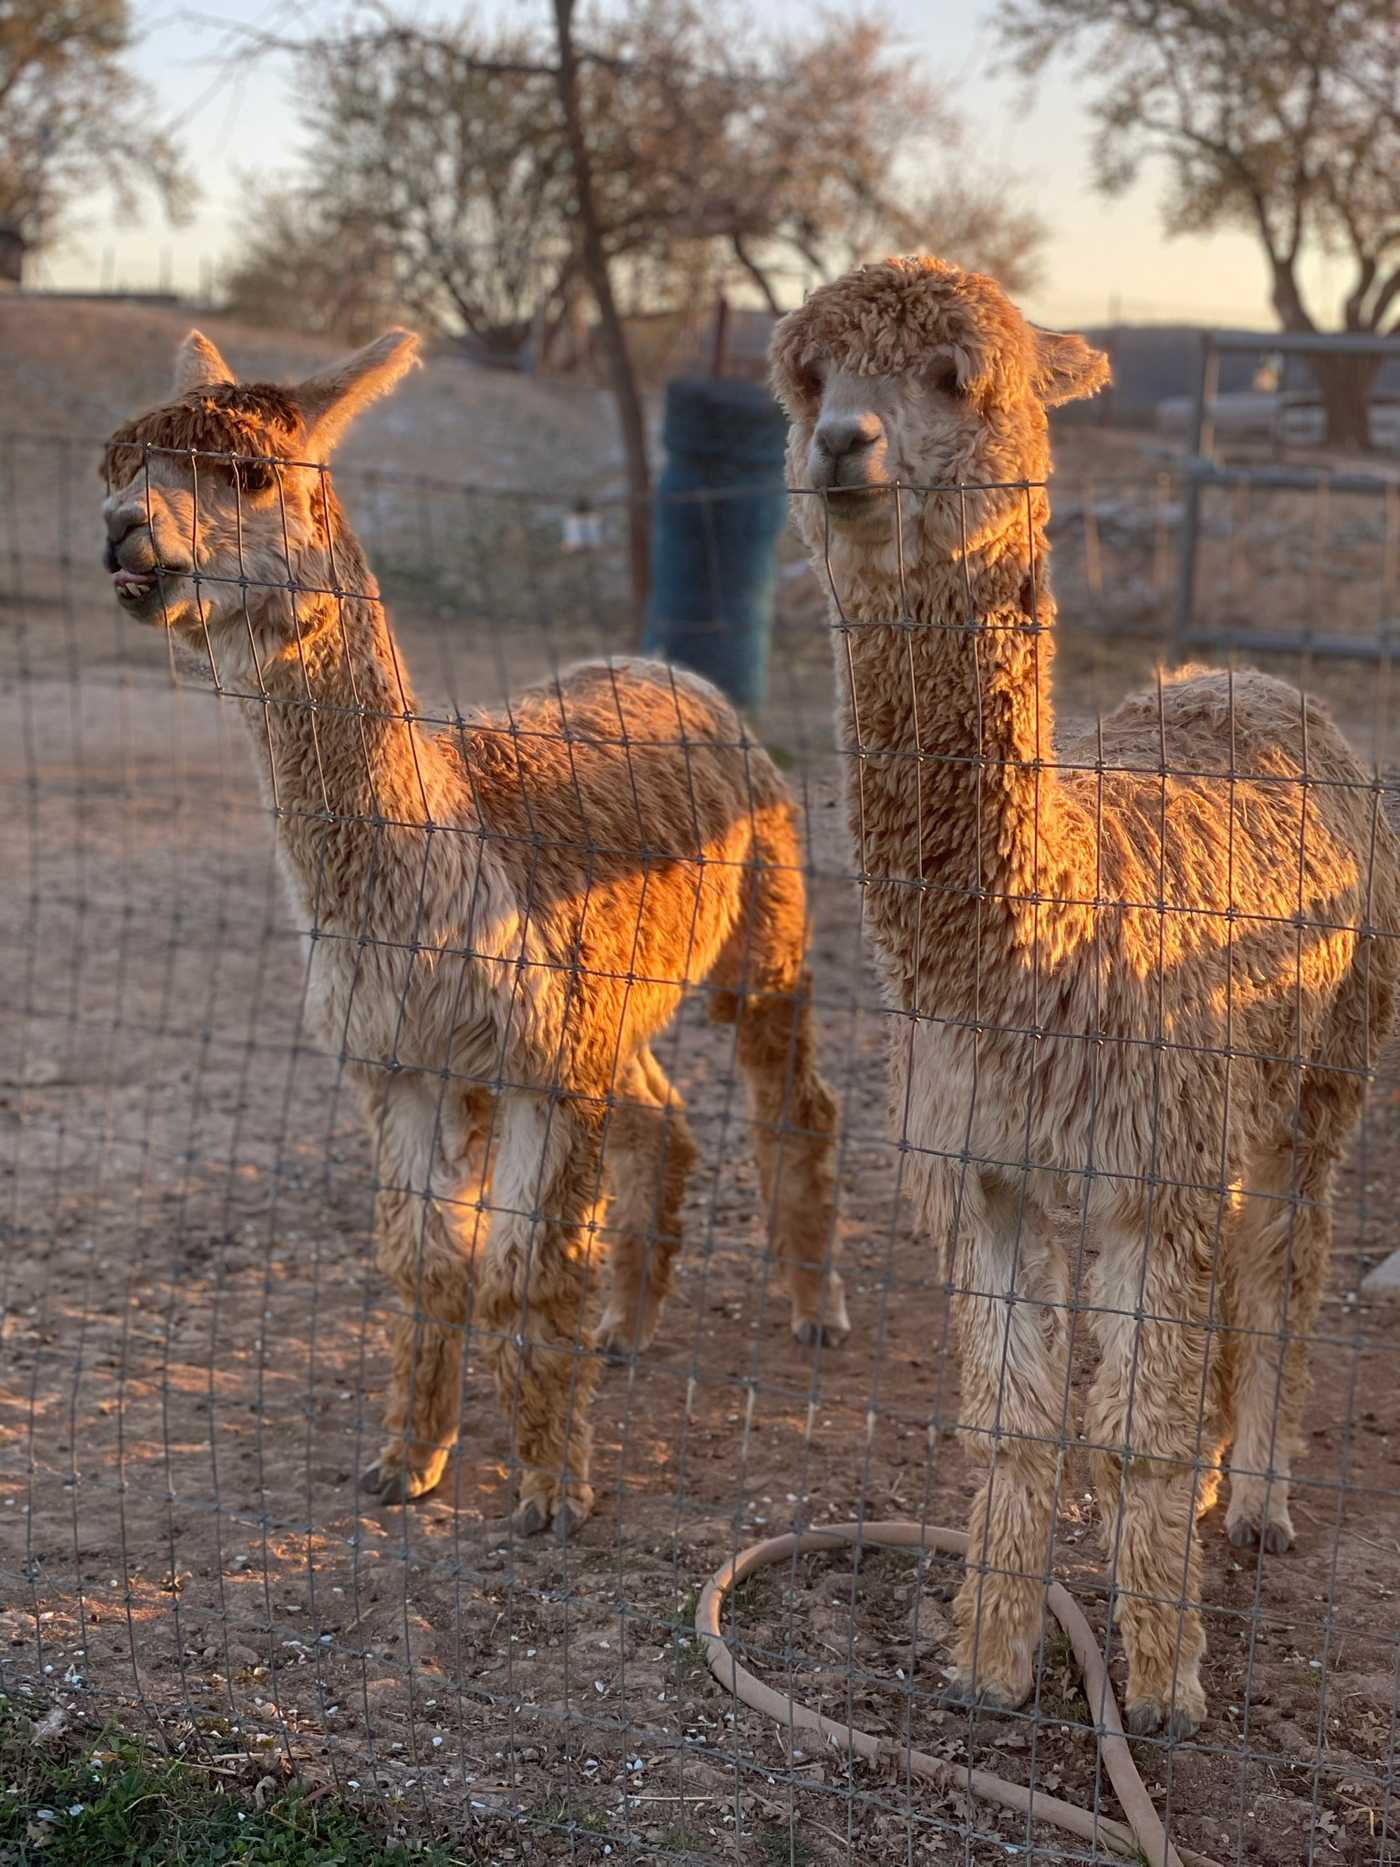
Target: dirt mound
x,y
76,367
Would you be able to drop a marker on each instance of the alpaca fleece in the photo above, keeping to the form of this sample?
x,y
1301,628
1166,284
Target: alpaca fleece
x,y
503,917
1146,972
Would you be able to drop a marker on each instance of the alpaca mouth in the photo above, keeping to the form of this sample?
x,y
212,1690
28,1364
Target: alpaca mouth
x,y
853,504
132,585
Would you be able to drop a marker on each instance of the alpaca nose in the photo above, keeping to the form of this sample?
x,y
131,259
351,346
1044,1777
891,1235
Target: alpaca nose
x,y
122,521
840,435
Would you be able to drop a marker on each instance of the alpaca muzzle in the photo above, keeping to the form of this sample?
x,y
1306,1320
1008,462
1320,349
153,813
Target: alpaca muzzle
x,y
847,456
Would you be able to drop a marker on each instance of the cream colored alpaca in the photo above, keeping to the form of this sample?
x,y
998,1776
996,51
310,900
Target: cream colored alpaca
x,y
1140,970
503,916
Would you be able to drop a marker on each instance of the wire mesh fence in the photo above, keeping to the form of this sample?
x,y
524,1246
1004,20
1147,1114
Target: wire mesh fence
x,y
360,1091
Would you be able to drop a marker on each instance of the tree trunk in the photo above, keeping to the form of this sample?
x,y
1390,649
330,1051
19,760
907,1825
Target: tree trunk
x,y
1346,383
1288,300
595,267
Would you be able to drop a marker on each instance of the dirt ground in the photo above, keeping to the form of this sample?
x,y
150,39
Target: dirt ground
x,y
194,1366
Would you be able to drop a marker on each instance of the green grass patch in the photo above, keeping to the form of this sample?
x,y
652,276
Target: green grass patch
x,y
679,1839
105,1801
1062,1699
783,1848
687,1648
1059,1651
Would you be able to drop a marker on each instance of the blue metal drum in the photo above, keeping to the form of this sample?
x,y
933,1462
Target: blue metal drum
x,y
719,512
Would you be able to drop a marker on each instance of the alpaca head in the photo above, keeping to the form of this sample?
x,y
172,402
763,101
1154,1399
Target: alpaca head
x,y
916,373
219,500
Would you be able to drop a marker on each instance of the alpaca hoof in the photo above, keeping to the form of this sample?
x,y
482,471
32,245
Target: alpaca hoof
x,y
621,1350
1150,1718
818,1334
531,1518
394,1484
1275,1537
569,1519
985,1700
535,1516
621,1340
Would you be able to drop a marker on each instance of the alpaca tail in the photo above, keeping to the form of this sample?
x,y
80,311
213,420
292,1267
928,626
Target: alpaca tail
x,y
766,954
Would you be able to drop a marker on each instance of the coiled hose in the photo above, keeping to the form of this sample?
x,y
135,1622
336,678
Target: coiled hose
x,y
1140,1838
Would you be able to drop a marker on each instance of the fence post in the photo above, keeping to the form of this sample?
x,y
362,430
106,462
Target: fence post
x,y
1202,441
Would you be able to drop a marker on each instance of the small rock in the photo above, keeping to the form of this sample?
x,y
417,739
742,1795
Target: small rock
x,y
1384,1280
242,1656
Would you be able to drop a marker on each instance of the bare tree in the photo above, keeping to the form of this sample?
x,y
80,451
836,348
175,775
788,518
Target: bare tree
x,y
783,156
452,143
1281,116
512,172
594,260
73,118
301,261
712,151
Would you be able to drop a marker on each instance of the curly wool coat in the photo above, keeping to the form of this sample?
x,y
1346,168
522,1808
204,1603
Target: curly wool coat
x,y
1142,971
503,915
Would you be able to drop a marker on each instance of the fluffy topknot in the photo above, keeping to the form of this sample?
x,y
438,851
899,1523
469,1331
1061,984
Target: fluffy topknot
x,y
256,422
889,317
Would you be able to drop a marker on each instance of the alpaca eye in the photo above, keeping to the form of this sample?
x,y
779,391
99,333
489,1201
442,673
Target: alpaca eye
x,y
945,379
254,476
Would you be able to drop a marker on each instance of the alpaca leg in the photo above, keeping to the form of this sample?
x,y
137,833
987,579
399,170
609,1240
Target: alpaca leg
x,y
1153,1433
761,983
1278,1268
532,1301
425,1243
795,1116
1217,1410
1011,1306
650,1152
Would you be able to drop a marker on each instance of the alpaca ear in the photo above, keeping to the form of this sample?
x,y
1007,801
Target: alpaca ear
x,y
198,365
1067,367
332,399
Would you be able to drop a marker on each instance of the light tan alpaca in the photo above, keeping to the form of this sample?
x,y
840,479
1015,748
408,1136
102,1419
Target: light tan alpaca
x,y
503,916
1140,970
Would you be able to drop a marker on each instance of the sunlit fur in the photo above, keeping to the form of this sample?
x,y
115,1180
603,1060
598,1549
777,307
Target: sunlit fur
x,y
1142,961
504,915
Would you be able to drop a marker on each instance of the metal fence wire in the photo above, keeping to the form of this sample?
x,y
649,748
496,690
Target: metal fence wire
x,y
358,1095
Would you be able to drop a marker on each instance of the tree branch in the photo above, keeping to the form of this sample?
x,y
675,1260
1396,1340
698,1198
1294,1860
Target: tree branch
x,y
1384,299
756,273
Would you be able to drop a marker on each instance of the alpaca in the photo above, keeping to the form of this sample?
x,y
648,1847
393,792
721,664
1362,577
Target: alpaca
x,y
1140,974
503,916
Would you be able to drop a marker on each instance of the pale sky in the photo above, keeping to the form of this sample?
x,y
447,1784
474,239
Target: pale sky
x,y
1102,256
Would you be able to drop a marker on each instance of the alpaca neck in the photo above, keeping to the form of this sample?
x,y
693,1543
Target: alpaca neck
x,y
344,759
968,839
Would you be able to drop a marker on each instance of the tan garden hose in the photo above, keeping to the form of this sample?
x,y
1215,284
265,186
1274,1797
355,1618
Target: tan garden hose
x,y
1141,1838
